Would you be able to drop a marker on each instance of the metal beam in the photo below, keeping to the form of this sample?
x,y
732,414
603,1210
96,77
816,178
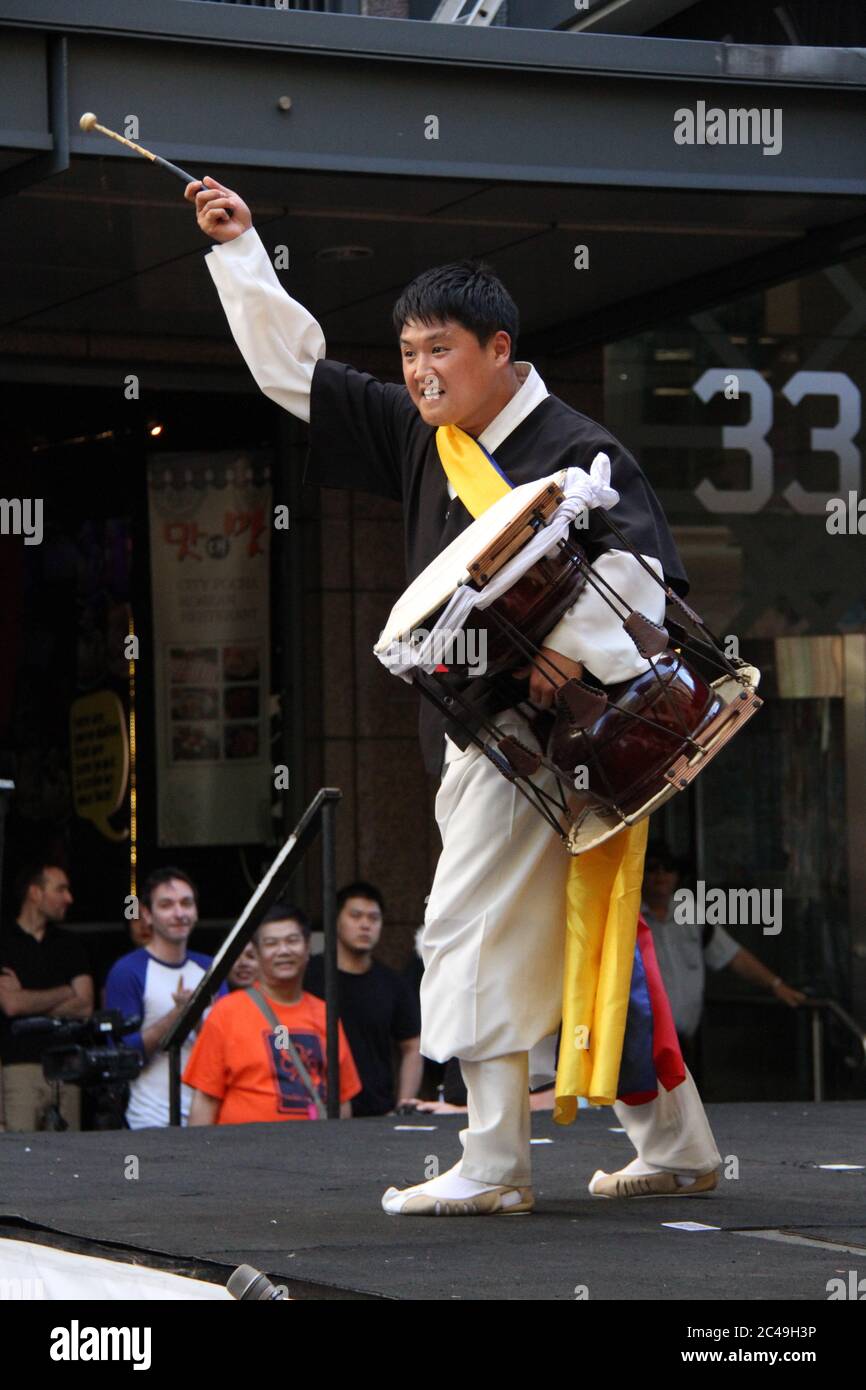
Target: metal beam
x,y
479,12
355,38
560,130
855,810
605,16
625,16
56,159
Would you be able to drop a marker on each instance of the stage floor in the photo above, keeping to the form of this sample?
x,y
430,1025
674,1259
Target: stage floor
x,y
301,1202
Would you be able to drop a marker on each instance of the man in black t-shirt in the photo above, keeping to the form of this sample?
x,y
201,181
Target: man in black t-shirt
x,y
43,971
377,1009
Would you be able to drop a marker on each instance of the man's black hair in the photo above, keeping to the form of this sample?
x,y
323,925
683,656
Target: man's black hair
x,y
657,852
360,889
34,872
469,292
160,876
284,912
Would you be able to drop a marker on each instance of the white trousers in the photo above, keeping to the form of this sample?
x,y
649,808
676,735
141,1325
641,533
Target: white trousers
x,y
492,947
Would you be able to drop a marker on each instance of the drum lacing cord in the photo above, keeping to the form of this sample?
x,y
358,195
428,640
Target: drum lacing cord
x,y
672,596
532,651
527,648
538,797
595,581
710,650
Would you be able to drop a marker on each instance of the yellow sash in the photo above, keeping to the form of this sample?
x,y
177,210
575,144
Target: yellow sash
x,y
474,478
603,888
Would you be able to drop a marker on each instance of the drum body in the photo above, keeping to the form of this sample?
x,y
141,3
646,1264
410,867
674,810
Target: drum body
x,y
616,752
533,606
626,759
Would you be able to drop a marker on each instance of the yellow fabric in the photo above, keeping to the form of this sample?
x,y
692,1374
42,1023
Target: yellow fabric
x,y
469,470
603,888
603,904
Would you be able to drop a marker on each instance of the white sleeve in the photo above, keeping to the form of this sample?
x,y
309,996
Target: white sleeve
x,y
592,633
721,949
279,339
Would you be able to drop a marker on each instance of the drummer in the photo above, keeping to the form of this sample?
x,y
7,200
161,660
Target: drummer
x,y
472,418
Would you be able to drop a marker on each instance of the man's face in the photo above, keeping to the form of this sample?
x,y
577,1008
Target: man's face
x,y
659,882
54,895
283,952
173,912
245,968
469,375
359,924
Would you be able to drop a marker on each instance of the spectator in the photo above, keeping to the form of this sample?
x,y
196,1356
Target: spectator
x,y
377,1006
44,972
684,949
262,1053
156,981
245,968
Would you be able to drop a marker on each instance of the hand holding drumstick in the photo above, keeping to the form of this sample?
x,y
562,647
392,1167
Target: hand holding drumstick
x,y
220,213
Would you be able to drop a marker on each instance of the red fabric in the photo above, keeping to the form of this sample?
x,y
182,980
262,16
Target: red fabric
x,y
667,1057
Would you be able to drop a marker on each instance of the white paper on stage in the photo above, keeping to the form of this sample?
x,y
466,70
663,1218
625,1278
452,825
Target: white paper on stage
x,y
31,1271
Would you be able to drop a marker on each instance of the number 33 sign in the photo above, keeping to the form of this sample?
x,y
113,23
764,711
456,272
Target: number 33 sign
x,y
838,440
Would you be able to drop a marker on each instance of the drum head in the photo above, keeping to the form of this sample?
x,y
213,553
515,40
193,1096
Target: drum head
x,y
437,583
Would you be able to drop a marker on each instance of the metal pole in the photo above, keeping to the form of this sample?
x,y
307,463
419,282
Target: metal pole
x,y
174,1085
854,648
329,923
817,1054
7,787
699,842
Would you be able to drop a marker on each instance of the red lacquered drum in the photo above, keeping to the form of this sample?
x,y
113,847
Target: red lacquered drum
x,y
616,752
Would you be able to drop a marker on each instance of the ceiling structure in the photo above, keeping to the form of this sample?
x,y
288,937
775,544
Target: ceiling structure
x,y
542,143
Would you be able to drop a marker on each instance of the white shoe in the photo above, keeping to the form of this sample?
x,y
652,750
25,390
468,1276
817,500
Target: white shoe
x,y
453,1195
624,1184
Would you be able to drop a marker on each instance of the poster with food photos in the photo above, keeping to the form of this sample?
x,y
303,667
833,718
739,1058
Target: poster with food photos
x,y
210,524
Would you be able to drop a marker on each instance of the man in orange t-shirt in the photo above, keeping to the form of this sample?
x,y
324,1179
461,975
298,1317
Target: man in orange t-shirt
x,y
240,1067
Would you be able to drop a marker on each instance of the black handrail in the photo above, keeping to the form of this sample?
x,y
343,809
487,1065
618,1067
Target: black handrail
x,y
320,815
818,1005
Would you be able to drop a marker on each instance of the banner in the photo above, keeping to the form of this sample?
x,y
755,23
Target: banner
x,y
210,529
99,756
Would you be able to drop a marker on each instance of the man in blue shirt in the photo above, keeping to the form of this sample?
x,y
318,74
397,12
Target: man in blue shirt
x,y
156,981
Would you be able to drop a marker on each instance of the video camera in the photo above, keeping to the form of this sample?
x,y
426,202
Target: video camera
x,y
88,1053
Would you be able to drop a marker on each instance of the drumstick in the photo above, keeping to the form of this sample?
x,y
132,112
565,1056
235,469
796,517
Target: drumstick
x,y
89,122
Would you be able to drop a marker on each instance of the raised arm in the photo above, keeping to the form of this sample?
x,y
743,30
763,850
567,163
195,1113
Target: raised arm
x,y
277,337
